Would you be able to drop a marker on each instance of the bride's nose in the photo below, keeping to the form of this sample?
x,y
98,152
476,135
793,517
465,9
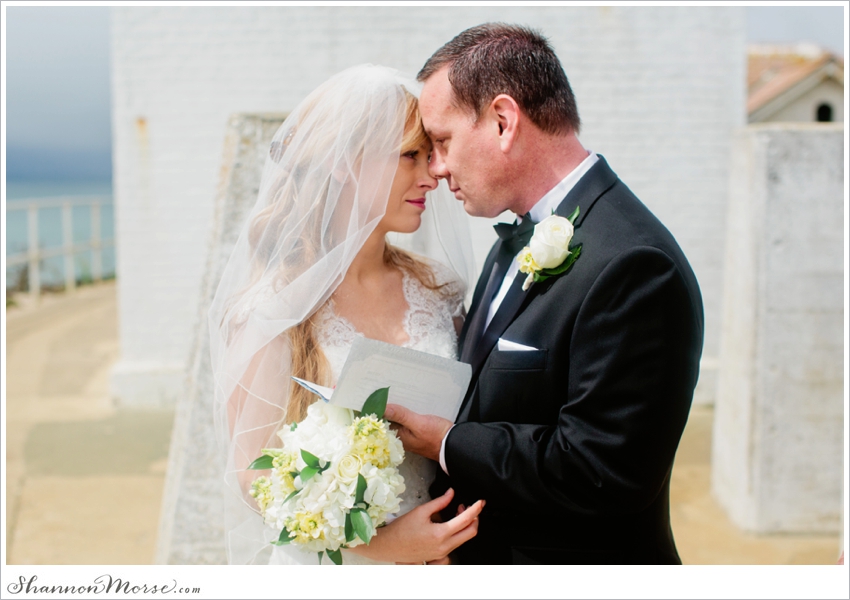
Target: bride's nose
x,y
426,180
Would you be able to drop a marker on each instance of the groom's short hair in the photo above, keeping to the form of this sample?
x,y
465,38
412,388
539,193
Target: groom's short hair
x,y
496,58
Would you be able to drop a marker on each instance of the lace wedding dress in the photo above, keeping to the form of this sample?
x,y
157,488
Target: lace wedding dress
x,y
429,325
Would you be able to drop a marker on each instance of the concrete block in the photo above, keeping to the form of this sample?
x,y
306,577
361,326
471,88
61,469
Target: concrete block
x,y
777,459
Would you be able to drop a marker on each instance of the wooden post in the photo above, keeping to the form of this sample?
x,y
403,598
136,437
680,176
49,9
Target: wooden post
x,y
68,247
33,274
96,262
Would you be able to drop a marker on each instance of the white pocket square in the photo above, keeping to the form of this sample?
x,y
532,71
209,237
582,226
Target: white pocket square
x,y
507,345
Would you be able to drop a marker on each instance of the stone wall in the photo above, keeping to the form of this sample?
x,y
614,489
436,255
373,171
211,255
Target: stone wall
x,y
778,450
659,89
192,519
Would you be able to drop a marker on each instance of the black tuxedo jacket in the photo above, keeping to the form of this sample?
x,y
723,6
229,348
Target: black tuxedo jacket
x,y
572,444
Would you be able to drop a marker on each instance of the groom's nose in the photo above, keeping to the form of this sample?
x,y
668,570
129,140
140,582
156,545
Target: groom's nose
x,y
437,166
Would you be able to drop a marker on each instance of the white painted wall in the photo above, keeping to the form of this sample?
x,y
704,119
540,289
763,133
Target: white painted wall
x,y
659,89
778,459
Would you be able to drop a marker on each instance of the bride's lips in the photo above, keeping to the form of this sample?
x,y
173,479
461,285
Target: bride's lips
x,y
420,202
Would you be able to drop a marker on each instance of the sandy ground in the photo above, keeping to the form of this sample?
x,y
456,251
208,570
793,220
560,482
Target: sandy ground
x,y
84,479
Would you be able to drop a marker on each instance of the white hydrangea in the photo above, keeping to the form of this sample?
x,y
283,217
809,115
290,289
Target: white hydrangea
x,y
346,447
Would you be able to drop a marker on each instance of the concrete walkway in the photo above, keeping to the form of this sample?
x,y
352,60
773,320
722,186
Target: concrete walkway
x,y
84,479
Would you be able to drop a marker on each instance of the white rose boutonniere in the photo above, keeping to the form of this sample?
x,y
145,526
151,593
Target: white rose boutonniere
x,y
548,252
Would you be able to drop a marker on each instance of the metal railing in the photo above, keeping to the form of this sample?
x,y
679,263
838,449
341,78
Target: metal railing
x,y
35,254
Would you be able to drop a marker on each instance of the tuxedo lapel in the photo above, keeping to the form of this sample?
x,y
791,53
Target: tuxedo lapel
x,y
478,318
510,306
480,287
598,180
478,353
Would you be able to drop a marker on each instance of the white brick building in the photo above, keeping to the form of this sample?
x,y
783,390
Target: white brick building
x,y
660,91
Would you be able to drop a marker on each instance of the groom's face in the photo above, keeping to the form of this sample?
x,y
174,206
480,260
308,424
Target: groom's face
x,y
466,151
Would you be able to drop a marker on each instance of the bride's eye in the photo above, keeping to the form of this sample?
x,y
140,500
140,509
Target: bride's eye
x,y
412,154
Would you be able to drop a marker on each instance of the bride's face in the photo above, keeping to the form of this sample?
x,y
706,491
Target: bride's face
x,y
407,195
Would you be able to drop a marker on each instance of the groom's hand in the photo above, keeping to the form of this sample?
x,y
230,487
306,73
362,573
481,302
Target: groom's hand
x,y
421,434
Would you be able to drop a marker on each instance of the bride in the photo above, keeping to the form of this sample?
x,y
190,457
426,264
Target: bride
x,y
313,269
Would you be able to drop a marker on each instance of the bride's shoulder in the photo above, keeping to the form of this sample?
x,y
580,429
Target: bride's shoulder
x,y
443,275
450,286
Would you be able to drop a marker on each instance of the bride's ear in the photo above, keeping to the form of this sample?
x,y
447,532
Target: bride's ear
x,y
504,110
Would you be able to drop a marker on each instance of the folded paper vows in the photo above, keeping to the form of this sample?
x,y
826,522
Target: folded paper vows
x,y
424,383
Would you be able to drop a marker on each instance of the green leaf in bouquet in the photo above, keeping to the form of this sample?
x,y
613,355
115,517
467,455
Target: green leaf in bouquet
x,y
311,459
284,538
294,426
362,523
262,463
290,496
307,473
321,554
349,529
360,490
335,556
376,403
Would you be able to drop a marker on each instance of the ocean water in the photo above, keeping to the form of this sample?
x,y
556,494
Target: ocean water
x,y
52,270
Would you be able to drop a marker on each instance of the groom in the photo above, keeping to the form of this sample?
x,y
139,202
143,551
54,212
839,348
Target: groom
x,y
582,383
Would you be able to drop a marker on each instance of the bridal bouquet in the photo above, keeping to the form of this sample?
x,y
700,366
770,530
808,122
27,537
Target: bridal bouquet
x,y
334,481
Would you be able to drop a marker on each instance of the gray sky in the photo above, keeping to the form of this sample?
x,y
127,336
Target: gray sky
x,y
57,77
57,72
823,25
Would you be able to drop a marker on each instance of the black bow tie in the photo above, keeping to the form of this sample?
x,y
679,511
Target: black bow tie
x,y
515,236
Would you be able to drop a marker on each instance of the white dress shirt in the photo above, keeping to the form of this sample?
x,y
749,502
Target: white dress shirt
x,y
542,209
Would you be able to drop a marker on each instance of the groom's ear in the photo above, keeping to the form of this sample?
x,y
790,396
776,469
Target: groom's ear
x,y
504,111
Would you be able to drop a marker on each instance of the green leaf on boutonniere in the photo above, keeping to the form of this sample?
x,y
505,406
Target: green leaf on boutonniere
x,y
568,262
573,215
262,463
335,556
362,524
284,538
376,403
545,274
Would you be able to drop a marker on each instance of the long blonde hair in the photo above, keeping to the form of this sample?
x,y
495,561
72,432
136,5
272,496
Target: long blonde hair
x,y
307,359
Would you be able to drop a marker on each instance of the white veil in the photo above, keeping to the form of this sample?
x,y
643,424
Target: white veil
x,y
324,189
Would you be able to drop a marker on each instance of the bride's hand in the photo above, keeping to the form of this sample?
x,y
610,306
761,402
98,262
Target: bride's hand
x,y
446,560
416,538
